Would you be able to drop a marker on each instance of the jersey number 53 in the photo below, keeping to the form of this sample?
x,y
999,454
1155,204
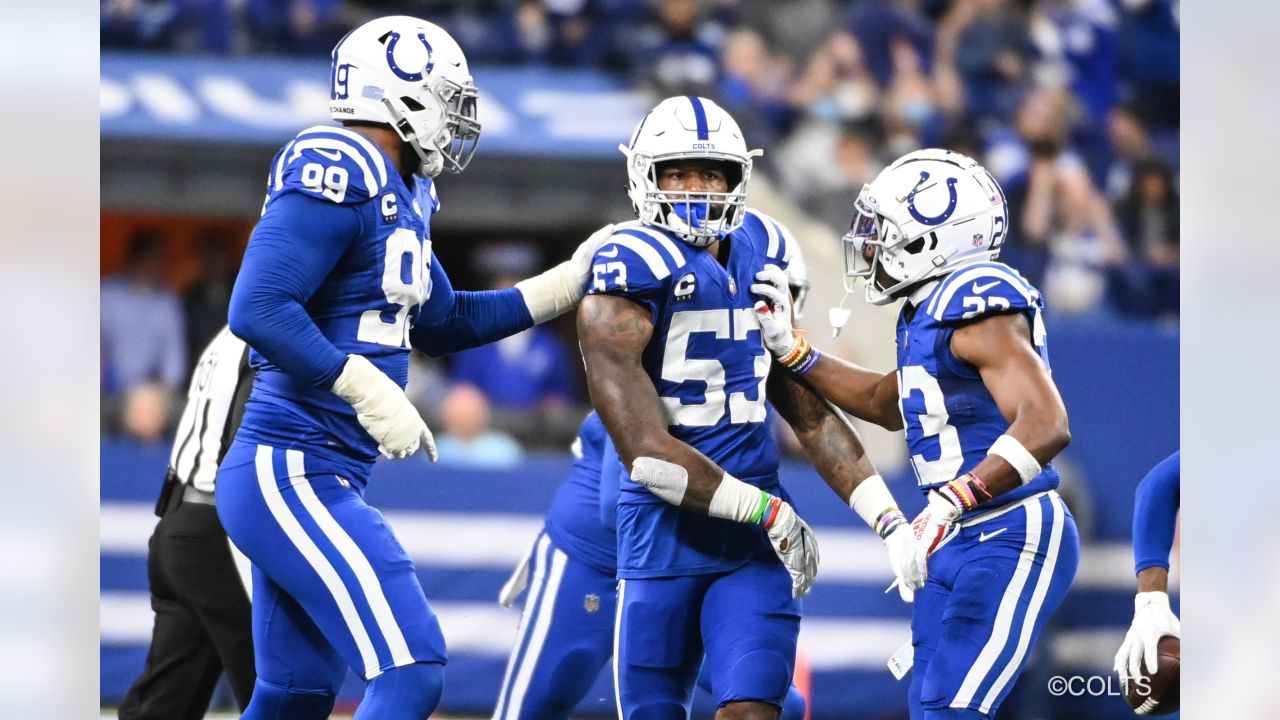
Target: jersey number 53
x,y
728,325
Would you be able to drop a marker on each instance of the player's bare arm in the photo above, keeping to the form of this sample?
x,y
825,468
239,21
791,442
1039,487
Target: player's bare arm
x,y
613,332
999,346
837,453
1154,579
866,394
832,445
829,442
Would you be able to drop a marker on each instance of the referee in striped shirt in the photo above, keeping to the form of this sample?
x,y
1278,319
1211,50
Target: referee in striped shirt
x,y
202,615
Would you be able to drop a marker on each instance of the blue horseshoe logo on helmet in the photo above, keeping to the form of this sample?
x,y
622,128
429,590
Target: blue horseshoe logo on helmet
x,y
936,219
394,37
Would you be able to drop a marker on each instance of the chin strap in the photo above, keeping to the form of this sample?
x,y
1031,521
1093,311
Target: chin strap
x,y
839,316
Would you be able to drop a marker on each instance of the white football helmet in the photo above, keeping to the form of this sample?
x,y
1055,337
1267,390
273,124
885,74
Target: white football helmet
x,y
925,215
411,75
685,128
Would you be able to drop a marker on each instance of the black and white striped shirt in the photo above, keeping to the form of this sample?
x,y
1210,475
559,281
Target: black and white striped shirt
x,y
215,403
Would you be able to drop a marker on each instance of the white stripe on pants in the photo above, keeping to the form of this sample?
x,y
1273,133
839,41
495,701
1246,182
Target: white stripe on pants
x,y
1000,630
544,589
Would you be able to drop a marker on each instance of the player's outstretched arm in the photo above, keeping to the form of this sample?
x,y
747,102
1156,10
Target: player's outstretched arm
x,y
837,453
1155,517
613,333
455,320
866,394
999,346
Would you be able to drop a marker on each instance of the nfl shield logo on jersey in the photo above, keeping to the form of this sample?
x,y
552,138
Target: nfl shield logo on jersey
x,y
733,287
591,602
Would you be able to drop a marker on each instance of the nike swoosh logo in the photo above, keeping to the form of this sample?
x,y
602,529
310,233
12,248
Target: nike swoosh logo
x,y
331,154
979,289
983,537
606,253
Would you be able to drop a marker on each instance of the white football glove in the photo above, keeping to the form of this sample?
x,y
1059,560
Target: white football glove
x,y
559,289
934,521
382,409
796,546
1152,620
515,584
907,559
585,254
774,311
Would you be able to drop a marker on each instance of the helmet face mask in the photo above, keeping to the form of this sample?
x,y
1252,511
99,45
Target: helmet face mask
x,y
440,125
924,216
411,75
683,129
700,216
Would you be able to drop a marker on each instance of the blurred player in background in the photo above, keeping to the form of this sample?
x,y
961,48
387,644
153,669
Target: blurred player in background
x,y
337,283
202,623
566,630
982,416
677,371
1155,518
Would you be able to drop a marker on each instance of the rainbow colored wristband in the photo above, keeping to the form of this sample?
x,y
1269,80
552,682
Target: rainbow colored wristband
x,y
801,359
888,521
966,491
766,511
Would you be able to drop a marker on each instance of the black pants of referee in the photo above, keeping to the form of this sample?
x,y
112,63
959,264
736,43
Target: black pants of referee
x,y
202,616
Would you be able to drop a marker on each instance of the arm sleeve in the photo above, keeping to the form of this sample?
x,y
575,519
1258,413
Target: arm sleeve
x,y
611,474
453,320
296,244
1155,514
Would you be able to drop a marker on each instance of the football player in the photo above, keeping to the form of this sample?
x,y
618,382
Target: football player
x,y
1155,517
337,283
566,629
982,416
677,370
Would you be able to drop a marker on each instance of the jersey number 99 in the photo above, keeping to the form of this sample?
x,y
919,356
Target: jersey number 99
x,y
403,284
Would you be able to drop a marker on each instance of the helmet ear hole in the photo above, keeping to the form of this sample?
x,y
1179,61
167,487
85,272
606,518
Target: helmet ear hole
x,y
412,104
914,246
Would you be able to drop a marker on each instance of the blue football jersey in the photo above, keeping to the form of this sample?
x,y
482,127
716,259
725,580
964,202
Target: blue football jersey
x,y
367,303
574,518
708,363
951,420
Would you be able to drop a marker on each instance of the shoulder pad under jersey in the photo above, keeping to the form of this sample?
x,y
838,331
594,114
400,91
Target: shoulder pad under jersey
x,y
330,163
981,289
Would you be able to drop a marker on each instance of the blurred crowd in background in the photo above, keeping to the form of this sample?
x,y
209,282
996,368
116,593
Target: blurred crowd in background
x,y
1072,104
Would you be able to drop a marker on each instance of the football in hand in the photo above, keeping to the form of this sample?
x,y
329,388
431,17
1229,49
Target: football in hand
x,y
1157,694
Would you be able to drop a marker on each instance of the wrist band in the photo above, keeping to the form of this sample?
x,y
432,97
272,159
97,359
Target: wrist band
x,y
966,491
801,358
874,503
767,511
1007,448
891,519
